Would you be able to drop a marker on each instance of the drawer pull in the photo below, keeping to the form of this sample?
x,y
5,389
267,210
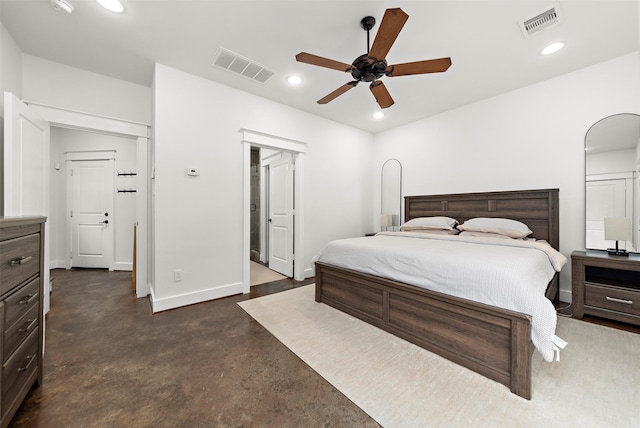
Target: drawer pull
x,y
26,300
30,359
616,300
22,260
27,325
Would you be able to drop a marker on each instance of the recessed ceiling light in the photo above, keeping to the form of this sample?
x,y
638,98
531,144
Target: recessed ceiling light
x,y
294,80
112,5
378,115
62,6
553,47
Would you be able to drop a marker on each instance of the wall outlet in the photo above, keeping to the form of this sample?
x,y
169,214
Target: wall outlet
x,y
177,275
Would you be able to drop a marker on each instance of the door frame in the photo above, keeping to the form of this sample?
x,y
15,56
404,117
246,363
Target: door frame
x,y
82,121
297,149
70,158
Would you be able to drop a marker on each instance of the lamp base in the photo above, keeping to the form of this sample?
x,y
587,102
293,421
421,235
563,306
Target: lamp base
x,y
616,252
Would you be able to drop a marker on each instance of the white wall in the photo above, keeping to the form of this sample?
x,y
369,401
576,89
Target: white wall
x,y
199,220
529,138
124,215
51,83
10,66
10,81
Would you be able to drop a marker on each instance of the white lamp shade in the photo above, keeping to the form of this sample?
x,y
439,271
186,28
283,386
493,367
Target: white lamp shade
x,y
617,229
385,220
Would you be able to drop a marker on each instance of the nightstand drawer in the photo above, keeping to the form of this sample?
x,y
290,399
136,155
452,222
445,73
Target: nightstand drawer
x,y
614,299
19,260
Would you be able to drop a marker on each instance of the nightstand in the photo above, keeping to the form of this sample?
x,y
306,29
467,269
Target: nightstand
x,y
605,286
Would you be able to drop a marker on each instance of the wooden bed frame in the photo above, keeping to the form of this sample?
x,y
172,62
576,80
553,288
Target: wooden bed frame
x,y
491,341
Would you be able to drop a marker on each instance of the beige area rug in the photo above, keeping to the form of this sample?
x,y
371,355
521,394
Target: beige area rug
x,y
261,274
596,383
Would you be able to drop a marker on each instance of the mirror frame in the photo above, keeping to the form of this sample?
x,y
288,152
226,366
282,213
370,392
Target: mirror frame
x,y
384,202
633,193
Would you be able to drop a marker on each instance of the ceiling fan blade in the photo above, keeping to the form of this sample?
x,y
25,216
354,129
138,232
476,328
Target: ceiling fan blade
x,y
392,22
419,67
382,95
335,94
323,62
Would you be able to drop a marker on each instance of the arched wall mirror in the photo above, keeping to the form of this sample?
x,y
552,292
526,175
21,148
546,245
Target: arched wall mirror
x,y
391,195
612,186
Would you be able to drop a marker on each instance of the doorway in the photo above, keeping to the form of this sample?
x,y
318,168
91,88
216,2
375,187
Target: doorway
x,y
271,215
137,137
258,140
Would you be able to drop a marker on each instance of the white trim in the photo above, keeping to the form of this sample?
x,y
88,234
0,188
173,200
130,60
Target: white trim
x,y
259,139
609,176
66,118
79,155
172,302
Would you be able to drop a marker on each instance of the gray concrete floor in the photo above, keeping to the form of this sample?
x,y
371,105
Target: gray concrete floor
x,y
110,362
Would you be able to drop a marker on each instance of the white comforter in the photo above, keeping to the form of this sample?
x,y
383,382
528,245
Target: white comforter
x,y
508,273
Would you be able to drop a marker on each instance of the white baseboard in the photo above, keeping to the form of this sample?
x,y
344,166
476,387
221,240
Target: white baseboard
x,y
172,302
57,264
565,296
123,266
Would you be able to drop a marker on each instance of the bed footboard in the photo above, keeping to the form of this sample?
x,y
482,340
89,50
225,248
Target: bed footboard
x,y
491,341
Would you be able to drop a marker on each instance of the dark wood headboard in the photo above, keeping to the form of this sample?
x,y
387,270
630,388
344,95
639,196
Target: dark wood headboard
x,y
538,209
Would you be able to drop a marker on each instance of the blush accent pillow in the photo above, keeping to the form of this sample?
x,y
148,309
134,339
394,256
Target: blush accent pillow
x,y
436,222
502,226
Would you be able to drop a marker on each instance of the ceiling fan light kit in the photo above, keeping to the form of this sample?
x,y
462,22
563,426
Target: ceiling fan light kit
x,y
370,67
62,6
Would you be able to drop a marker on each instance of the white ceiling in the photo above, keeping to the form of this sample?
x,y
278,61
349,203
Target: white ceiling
x,y
490,55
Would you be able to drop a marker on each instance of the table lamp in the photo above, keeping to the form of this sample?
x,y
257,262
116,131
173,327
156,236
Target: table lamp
x,y
617,229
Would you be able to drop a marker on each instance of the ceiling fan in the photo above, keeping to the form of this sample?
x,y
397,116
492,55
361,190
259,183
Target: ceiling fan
x,y
372,66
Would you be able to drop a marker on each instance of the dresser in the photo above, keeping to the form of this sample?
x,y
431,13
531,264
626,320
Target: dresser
x,y
605,286
21,319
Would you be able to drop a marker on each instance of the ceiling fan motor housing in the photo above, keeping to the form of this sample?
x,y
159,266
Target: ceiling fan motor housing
x,y
368,69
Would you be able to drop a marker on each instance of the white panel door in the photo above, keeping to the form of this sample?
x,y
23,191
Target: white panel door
x,y
26,168
26,159
604,198
281,216
92,223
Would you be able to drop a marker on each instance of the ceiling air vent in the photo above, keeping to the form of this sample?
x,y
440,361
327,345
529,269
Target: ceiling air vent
x,y
238,64
546,19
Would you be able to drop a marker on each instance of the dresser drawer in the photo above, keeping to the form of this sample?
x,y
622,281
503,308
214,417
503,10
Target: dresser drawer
x,y
17,231
19,368
20,302
19,260
614,299
16,334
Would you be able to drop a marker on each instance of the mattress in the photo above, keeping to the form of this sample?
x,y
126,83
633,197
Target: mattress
x,y
507,273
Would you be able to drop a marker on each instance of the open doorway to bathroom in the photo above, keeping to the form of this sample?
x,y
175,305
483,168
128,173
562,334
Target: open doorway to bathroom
x,y
260,230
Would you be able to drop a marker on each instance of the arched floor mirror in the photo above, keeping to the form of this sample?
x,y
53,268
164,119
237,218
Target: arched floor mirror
x,y
612,186
391,195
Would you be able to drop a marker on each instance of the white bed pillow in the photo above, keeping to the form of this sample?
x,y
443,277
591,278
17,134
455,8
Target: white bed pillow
x,y
436,222
484,234
502,226
435,231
